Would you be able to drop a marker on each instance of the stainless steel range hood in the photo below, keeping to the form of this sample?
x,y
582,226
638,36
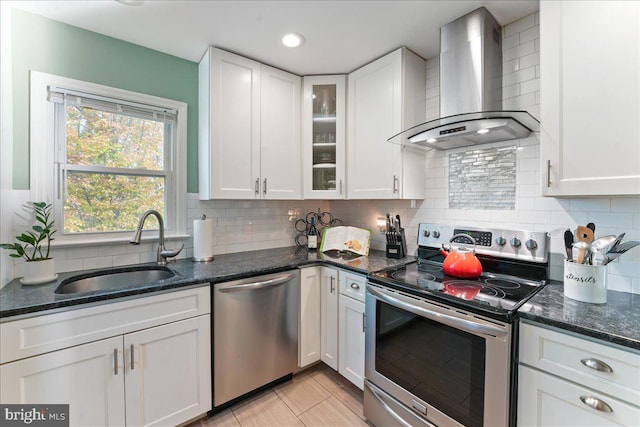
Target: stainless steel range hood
x,y
470,90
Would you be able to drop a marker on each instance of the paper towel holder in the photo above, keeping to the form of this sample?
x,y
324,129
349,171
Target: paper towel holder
x,y
203,259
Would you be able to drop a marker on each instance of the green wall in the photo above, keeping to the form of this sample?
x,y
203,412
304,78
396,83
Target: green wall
x,y
52,47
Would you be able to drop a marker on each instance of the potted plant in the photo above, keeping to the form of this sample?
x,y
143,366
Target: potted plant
x,y
34,246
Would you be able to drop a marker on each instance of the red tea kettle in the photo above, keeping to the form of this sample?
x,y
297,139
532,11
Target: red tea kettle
x,y
461,262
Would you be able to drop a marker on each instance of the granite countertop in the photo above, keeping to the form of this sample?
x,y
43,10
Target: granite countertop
x,y
17,299
617,321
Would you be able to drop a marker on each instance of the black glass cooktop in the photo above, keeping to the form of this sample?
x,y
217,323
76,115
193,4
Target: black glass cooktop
x,y
492,294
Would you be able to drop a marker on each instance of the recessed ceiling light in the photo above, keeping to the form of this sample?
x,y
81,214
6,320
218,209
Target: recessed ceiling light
x,y
431,140
483,131
292,40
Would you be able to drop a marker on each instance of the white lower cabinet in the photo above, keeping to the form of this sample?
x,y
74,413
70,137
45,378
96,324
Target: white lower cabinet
x,y
329,317
351,337
309,330
545,400
83,376
568,380
159,375
332,319
167,373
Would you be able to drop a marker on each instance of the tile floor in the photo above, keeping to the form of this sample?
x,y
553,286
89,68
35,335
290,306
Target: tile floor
x,y
316,397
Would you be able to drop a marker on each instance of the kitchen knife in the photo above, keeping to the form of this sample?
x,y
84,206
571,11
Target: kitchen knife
x,y
399,223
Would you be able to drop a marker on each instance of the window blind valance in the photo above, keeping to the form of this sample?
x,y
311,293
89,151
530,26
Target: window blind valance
x,y
112,105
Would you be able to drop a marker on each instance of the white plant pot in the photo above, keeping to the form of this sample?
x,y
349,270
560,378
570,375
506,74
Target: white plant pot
x,y
37,272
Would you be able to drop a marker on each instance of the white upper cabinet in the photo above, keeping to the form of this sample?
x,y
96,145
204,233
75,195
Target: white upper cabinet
x,y
384,98
323,127
249,129
590,98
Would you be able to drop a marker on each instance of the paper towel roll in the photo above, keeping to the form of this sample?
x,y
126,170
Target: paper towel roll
x,y
203,239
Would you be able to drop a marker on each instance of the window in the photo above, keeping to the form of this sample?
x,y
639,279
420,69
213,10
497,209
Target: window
x,y
113,155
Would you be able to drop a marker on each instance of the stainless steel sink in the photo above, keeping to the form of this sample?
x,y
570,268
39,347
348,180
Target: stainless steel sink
x,y
114,279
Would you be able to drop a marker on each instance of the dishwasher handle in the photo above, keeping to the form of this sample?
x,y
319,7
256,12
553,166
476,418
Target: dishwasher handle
x,y
259,284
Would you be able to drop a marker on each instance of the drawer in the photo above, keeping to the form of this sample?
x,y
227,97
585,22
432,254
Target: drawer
x,y
49,332
352,285
596,365
546,400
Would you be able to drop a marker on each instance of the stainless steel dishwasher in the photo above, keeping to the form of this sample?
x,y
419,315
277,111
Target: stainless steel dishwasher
x,y
255,333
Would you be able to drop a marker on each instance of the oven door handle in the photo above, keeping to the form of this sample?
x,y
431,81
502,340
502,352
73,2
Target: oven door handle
x,y
386,407
456,322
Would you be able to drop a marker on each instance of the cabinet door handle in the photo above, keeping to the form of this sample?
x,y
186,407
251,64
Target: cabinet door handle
x,y
332,288
131,357
396,182
548,173
257,186
115,361
264,188
595,403
341,187
354,285
363,321
597,365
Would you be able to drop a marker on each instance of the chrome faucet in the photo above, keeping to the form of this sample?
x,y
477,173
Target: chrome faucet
x,y
163,253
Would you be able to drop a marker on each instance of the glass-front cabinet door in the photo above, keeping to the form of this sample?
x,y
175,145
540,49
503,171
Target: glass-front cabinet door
x,y
324,137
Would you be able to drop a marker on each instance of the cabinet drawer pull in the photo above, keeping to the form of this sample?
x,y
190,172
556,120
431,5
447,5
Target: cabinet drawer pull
x,y
332,288
264,188
115,361
131,353
548,173
396,187
355,286
341,187
257,186
595,403
363,321
597,365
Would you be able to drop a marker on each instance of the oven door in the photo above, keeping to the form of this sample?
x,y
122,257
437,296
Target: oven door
x,y
450,367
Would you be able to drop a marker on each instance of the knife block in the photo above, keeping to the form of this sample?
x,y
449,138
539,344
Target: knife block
x,y
396,244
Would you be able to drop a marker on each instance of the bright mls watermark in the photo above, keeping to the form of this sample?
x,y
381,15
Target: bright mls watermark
x,y
34,415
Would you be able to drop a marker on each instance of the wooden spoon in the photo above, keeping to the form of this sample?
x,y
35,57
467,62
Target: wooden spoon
x,y
583,234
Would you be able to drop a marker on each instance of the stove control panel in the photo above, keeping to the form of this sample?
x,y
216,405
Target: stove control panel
x,y
516,244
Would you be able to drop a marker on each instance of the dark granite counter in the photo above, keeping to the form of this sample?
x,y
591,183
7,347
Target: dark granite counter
x,y
17,299
617,321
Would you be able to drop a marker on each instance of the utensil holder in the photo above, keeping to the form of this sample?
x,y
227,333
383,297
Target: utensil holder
x,y
396,244
586,283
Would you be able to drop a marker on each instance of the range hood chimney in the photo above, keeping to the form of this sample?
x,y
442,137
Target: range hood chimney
x,y
470,90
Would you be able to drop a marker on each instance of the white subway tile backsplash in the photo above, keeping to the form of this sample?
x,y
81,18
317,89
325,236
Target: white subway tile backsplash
x,y
531,60
511,41
631,204
519,76
534,217
519,51
510,91
520,25
551,204
433,92
530,86
611,219
511,66
591,205
529,34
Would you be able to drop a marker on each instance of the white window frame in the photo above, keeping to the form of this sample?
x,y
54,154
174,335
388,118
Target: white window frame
x,y
43,174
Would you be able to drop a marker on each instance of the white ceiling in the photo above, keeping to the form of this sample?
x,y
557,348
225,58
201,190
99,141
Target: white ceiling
x,y
340,35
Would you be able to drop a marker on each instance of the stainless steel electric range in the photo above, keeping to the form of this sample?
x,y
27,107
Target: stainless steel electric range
x,y
440,350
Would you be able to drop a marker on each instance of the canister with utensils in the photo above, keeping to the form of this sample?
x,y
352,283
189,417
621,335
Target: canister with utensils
x,y
585,269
